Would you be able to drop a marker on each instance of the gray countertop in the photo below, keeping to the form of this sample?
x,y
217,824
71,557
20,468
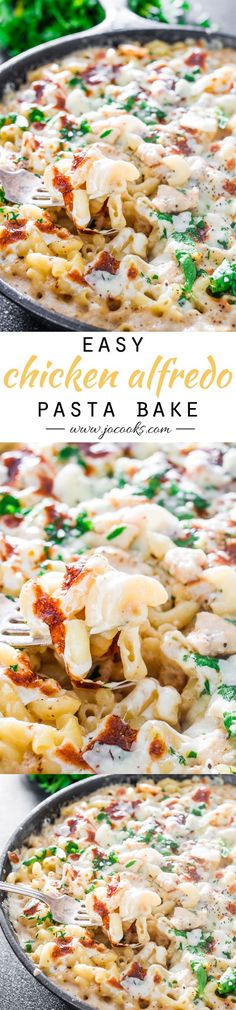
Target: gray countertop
x,y
18,991
14,318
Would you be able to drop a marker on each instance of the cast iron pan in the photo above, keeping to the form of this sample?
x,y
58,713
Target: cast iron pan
x,y
131,26
50,809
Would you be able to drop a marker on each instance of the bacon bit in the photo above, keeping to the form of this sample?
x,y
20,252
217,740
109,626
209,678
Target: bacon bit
x,y
102,910
72,756
13,465
202,794
116,733
65,188
79,278
39,87
192,873
114,982
112,887
197,58
137,971
230,164
74,573
157,978
14,856
157,747
72,823
32,910
105,261
230,552
45,484
230,186
132,272
231,907
13,520
50,612
115,812
6,549
182,145
60,101
78,160
13,231
62,947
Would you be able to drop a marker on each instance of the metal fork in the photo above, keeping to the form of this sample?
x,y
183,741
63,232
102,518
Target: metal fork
x,y
15,632
21,186
63,908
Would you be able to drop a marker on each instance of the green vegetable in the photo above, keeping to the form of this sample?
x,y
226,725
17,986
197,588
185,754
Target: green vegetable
x,y
83,523
99,862
71,847
102,816
26,24
198,811
223,280
40,856
227,691
36,115
9,505
115,533
28,947
151,487
201,975
227,983
203,660
71,451
206,689
53,783
230,723
186,261
159,10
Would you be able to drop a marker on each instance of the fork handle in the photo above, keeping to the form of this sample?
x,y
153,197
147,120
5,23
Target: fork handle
x,y
27,891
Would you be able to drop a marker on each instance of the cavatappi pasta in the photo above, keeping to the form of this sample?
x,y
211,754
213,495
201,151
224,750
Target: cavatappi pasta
x,y
140,140
154,864
122,560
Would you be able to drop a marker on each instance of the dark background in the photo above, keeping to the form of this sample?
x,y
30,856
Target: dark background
x,y
223,15
18,990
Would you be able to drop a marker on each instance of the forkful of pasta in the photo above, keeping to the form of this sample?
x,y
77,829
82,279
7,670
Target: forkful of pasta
x,y
83,611
63,908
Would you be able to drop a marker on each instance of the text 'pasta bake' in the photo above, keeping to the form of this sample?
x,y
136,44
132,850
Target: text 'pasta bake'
x,y
136,145
122,561
155,865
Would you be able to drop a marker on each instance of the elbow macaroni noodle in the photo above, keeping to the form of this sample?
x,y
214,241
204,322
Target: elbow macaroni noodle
x,y
155,865
123,566
139,139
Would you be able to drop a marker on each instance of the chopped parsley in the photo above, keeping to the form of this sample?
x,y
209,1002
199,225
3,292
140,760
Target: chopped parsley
x,y
227,984
9,505
83,523
227,691
71,452
36,115
115,533
186,261
230,723
223,280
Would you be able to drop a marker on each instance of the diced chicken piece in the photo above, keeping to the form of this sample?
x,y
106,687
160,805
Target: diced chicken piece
x,y
170,200
213,636
185,563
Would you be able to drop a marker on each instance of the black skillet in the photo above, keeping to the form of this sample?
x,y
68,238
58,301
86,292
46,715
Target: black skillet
x,y
49,810
130,26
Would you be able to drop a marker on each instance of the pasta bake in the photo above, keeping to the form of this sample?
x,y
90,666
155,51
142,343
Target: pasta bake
x,y
136,146
155,865
122,562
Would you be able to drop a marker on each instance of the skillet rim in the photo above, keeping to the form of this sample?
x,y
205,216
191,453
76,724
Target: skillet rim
x,y
35,819
14,71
